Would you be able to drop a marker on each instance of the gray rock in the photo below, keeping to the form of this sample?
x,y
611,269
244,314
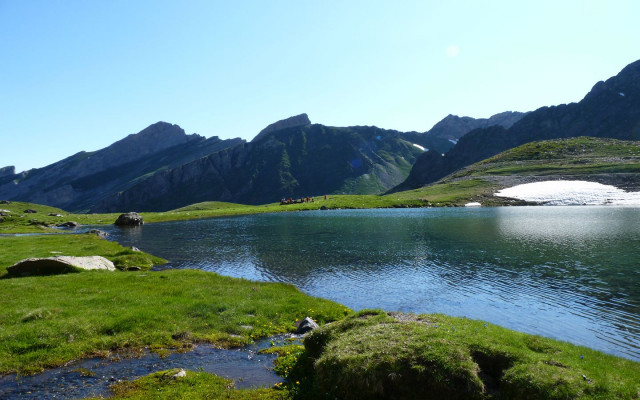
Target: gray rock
x,y
54,215
99,233
5,202
181,374
30,211
134,248
323,207
7,171
59,265
68,224
307,325
129,219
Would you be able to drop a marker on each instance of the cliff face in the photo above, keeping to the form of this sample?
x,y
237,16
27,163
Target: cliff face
x,y
454,127
79,181
292,162
611,110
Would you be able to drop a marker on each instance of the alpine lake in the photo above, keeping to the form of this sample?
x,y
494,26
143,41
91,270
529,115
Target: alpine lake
x,y
570,273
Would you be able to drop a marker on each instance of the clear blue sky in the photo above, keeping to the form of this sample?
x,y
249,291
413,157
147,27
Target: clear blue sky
x,y
79,75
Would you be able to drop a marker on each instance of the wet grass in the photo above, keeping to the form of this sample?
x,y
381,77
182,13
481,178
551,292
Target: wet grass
x,y
48,321
194,385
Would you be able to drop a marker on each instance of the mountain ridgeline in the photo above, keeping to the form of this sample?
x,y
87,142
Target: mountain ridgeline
x,y
81,180
297,160
610,110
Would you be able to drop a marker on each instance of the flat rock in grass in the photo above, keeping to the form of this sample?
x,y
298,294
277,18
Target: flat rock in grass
x,y
5,202
129,219
30,211
59,265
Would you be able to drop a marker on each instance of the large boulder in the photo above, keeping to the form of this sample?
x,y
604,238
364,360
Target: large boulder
x,y
306,325
129,219
59,265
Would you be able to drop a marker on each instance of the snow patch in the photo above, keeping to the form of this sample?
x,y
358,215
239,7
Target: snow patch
x,y
473,204
418,146
454,141
564,193
621,94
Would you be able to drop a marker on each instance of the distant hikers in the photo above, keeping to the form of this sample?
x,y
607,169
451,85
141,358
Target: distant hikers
x,y
290,200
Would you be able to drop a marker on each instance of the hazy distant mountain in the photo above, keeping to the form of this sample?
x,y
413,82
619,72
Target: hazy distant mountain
x,y
454,127
79,181
611,109
291,158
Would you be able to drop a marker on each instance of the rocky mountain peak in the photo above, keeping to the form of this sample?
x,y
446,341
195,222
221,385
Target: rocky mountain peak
x,y
7,171
291,122
626,83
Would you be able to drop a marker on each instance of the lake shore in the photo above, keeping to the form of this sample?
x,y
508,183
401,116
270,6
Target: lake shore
x,y
54,319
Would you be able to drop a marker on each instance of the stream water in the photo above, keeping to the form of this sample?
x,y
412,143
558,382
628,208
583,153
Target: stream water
x,y
92,377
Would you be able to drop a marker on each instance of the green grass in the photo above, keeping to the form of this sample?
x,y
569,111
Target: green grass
x,y
575,156
16,248
371,355
195,385
47,321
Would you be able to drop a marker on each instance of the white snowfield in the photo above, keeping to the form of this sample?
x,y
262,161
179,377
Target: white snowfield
x,y
565,193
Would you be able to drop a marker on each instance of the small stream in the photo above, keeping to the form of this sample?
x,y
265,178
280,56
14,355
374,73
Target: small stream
x,y
92,377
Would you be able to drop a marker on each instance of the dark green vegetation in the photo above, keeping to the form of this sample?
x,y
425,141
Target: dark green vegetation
x,y
50,320
195,385
373,355
79,181
609,110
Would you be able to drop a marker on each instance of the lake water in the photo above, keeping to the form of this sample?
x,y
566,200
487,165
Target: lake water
x,y
571,273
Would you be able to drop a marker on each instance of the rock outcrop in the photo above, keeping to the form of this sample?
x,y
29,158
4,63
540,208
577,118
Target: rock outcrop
x,y
59,265
7,171
291,122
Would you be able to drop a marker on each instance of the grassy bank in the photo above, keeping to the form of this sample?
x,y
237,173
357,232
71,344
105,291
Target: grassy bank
x,y
372,355
50,320
195,385
16,248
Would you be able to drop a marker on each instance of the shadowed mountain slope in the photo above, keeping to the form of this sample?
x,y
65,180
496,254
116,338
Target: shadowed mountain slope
x,y
79,181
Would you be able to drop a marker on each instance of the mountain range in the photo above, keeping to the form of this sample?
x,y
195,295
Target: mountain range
x,y
162,167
